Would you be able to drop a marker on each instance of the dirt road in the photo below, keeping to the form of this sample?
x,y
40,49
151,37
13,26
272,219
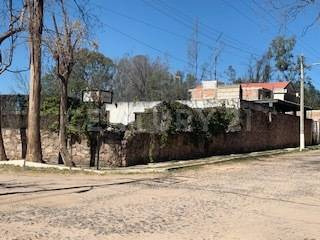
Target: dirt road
x,y
267,198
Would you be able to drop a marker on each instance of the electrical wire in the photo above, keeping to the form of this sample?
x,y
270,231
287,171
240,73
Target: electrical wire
x,y
145,44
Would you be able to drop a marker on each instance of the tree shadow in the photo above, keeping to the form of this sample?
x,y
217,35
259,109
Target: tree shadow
x,y
90,187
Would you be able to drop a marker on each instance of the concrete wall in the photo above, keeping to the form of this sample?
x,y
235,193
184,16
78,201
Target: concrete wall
x,y
313,114
228,92
124,112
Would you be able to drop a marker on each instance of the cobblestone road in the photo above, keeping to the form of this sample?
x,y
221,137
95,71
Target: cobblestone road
x,y
267,198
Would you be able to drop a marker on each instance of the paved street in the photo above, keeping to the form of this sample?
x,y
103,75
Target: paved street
x,y
266,198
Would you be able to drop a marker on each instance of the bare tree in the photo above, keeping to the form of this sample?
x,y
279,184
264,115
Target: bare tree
x,y
13,27
215,58
35,8
289,11
141,78
63,42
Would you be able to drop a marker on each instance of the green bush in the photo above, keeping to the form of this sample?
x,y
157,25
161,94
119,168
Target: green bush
x,y
77,116
218,119
175,117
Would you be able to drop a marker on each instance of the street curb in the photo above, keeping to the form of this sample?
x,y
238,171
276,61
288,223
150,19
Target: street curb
x,y
159,167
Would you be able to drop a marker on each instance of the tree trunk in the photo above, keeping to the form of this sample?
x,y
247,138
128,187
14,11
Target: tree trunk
x,y
63,149
35,27
3,155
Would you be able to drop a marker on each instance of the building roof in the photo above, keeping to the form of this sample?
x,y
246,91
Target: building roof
x,y
282,105
270,85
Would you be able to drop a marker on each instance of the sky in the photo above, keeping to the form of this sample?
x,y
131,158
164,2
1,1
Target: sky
x,y
239,29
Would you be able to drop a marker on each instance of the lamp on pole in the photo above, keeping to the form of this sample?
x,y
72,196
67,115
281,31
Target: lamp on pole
x,y
99,98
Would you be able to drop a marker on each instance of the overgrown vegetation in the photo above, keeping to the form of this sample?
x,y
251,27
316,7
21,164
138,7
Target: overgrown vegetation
x,y
170,118
174,117
78,118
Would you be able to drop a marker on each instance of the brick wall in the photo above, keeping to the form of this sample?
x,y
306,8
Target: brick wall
x,y
203,93
250,94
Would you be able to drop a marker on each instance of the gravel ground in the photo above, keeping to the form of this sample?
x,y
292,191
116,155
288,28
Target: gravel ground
x,y
267,198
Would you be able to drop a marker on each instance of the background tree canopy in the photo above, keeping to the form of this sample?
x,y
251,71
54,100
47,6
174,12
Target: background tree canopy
x,y
141,78
91,70
137,78
279,63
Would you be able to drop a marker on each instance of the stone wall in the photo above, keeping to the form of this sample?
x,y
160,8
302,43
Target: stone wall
x,y
260,131
12,142
16,148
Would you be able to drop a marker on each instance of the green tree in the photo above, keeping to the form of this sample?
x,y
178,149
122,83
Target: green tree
x,y
92,69
77,116
281,52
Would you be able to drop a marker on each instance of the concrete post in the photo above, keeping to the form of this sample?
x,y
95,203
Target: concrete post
x,y
302,140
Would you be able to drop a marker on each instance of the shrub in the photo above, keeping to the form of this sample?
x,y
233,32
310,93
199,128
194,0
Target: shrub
x,y
77,116
175,117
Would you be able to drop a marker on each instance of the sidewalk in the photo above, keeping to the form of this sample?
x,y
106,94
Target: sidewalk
x,y
159,167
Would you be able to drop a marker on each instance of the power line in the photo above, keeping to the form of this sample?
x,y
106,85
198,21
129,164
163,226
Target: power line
x,y
255,11
185,16
311,50
229,41
210,28
251,20
145,44
271,23
187,25
162,29
154,26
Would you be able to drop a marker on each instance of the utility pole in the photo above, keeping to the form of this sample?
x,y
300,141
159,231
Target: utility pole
x,y
302,142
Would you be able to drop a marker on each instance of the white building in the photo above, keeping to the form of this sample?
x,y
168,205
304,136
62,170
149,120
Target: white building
x,y
124,112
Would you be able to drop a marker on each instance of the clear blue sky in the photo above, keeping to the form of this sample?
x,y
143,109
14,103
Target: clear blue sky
x,y
245,27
